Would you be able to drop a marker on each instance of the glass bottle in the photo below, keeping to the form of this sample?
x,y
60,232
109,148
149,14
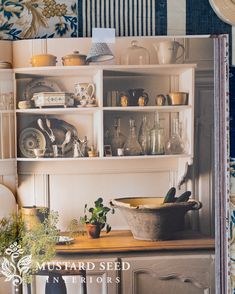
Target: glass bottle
x,y
117,138
132,146
157,137
175,144
143,136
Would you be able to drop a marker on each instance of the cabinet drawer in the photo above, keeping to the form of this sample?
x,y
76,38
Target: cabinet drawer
x,y
172,274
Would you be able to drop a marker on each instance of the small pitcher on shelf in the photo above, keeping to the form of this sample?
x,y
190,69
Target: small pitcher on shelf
x,y
138,97
167,51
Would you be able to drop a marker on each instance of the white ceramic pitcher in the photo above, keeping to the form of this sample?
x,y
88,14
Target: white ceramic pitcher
x,y
167,51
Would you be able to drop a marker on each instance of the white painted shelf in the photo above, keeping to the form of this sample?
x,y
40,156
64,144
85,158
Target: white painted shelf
x,y
175,108
87,70
6,111
166,156
61,110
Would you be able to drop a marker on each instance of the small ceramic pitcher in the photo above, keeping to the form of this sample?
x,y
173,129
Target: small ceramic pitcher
x,y
137,97
84,93
167,51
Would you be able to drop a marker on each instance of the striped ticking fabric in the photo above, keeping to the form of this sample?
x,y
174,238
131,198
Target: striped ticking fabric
x,y
149,17
128,17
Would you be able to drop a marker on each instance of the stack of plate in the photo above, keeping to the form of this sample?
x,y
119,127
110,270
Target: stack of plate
x,y
5,64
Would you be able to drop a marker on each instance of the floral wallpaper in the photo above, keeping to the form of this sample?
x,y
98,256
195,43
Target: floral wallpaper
x,y
21,19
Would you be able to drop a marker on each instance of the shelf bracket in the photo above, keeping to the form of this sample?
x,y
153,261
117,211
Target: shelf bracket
x,y
186,174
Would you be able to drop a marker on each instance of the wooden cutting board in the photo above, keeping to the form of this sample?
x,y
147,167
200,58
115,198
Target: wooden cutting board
x,y
7,202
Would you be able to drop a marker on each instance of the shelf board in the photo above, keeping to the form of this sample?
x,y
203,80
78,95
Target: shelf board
x,y
175,108
110,70
7,111
6,70
8,166
104,158
5,160
62,110
145,70
51,71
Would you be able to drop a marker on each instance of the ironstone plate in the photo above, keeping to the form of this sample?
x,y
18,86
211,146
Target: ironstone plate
x,y
63,240
29,139
40,85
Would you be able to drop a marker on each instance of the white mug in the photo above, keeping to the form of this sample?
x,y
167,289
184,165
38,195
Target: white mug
x,y
167,51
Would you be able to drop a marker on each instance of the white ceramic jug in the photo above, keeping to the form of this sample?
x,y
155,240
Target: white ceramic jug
x,y
84,93
167,51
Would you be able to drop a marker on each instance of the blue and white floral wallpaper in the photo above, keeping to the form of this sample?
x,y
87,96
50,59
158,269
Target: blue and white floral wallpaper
x,y
38,19
21,19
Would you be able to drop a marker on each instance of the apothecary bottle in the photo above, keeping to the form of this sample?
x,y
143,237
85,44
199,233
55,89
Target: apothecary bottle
x,y
144,136
117,138
132,146
175,144
157,137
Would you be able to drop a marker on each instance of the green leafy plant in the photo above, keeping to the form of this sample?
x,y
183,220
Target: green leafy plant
x,y
40,240
97,215
37,243
10,229
74,228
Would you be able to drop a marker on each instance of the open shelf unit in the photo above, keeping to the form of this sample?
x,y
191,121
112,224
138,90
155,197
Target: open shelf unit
x,y
93,122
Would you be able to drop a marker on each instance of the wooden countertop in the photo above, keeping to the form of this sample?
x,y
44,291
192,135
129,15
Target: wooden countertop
x,y
123,241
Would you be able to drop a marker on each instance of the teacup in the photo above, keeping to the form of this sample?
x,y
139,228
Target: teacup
x,y
38,152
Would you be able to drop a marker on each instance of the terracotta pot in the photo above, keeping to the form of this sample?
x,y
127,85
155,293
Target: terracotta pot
x,y
43,60
93,231
74,59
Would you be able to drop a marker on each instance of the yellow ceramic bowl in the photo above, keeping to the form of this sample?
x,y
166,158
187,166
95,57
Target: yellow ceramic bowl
x,y
43,60
178,98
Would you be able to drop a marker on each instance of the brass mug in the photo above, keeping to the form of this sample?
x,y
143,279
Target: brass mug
x,y
124,100
160,100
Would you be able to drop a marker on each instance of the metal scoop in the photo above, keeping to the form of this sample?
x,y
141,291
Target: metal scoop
x,y
40,124
66,141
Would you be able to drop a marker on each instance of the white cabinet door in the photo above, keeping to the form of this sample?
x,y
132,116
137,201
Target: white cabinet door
x,y
102,278
171,274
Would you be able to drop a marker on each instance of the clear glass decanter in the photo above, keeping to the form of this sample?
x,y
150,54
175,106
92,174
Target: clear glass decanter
x,y
117,138
157,137
132,146
175,144
144,136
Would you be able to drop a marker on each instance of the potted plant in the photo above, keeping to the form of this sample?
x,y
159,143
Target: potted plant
x,y
95,218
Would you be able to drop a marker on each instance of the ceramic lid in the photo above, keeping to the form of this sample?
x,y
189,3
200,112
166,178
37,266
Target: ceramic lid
x,y
75,54
44,55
